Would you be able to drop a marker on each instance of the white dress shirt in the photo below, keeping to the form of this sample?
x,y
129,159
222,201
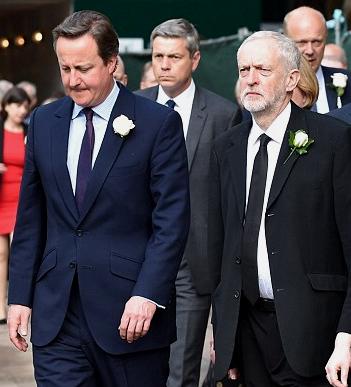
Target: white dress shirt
x,y
322,101
183,103
276,132
101,116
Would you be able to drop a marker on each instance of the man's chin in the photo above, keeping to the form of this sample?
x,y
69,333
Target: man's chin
x,y
80,99
254,107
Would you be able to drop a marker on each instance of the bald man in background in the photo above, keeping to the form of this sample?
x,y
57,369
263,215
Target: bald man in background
x,y
307,27
334,56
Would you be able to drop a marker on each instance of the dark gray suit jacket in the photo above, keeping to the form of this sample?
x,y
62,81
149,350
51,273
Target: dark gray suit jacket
x,y
211,115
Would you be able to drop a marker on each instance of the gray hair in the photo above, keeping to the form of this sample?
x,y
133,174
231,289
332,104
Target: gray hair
x,y
5,86
94,23
178,28
29,88
287,47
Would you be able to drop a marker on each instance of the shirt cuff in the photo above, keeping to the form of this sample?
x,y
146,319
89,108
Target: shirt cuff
x,y
158,305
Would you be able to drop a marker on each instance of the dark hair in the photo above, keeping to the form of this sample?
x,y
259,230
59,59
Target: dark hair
x,y
14,95
94,23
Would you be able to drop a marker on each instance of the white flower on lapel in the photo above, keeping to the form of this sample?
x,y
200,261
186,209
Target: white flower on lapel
x,y
122,125
300,139
299,142
339,80
339,83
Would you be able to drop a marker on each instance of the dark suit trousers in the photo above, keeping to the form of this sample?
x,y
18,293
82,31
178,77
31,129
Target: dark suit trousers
x,y
262,359
192,317
74,359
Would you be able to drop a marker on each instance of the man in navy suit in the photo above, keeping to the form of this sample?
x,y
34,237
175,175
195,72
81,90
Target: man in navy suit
x,y
102,223
307,27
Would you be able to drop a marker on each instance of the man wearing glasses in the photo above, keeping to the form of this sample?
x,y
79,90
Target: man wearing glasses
x,y
307,27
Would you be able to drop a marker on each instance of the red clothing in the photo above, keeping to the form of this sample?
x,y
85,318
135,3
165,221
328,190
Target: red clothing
x,y
10,181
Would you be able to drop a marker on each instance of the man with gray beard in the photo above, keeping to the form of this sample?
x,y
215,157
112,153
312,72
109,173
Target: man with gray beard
x,y
279,220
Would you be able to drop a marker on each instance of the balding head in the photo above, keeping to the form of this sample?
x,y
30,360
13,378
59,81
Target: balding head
x,y
334,56
307,27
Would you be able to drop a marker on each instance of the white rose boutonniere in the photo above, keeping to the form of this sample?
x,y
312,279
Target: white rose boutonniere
x,y
122,125
299,142
339,83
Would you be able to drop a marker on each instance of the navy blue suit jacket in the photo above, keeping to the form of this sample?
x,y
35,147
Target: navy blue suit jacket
x,y
344,113
128,239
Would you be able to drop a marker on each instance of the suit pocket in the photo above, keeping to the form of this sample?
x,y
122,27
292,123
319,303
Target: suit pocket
x,y
48,263
124,267
328,282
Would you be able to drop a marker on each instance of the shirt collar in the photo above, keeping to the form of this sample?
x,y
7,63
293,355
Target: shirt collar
x,y
319,75
276,130
104,108
180,100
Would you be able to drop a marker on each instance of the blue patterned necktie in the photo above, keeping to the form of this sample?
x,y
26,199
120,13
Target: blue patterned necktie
x,y
170,103
85,158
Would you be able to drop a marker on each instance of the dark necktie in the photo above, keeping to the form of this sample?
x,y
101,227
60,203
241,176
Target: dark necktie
x,y
85,158
252,222
170,103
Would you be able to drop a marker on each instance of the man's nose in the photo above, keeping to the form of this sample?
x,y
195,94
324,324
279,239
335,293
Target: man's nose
x,y
252,77
74,79
308,49
165,64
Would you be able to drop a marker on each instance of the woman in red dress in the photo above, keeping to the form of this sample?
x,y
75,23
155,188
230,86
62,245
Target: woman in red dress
x,y
14,109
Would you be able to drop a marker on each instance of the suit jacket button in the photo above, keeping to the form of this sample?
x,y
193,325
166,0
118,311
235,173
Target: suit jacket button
x,y
79,233
236,294
72,265
238,260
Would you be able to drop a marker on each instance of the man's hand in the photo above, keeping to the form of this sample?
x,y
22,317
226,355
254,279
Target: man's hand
x,y
136,318
340,361
17,322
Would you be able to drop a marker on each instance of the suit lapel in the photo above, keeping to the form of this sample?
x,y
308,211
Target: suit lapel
x,y
60,133
284,164
110,148
196,125
237,156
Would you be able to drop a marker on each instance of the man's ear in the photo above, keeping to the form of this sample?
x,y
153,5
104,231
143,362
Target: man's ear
x,y
112,64
292,79
196,59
